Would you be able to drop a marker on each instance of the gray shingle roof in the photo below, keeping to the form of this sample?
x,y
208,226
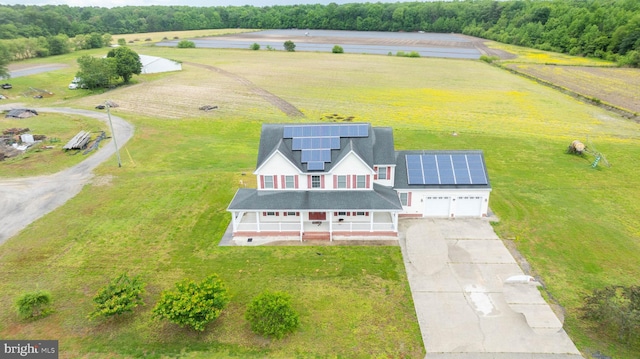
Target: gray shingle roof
x,y
377,148
380,198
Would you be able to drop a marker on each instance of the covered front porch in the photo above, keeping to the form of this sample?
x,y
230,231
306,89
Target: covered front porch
x,y
316,224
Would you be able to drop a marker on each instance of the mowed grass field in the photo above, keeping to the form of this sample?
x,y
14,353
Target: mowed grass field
x,y
162,214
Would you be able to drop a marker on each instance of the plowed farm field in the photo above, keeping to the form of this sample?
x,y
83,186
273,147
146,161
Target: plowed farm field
x,y
613,86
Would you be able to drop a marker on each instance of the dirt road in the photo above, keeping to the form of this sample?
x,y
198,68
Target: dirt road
x,y
24,200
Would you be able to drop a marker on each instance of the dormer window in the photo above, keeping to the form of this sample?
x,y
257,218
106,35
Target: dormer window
x,y
382,173
361,181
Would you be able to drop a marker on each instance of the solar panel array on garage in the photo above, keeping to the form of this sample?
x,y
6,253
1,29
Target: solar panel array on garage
x,y
317,141
446,169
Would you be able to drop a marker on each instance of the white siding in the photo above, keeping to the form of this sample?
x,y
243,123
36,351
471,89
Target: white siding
x,y
351,165
277,164
448,203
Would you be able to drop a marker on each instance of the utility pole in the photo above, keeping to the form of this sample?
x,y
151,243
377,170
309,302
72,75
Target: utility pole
x,y
113,134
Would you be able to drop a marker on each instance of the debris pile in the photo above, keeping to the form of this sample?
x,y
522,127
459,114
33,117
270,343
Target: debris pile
x,y
208,108
14,141
21,113
94,145
38,93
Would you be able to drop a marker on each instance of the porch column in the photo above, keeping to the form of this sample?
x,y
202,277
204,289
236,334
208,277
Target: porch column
x,y
258,221
301,224
371,222
330,226
394,218
233,222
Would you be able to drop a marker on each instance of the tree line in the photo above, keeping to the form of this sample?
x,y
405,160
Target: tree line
x,y
608,29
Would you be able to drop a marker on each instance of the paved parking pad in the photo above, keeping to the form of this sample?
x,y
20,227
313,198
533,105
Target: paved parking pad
x,y
457,271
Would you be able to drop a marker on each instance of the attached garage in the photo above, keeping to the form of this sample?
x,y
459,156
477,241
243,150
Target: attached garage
x,y
437,206
442,184
469,206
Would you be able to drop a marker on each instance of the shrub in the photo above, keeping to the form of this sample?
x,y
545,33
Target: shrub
x,y
488,59
289,46
186,44
270,48
337,49
271,314
616,309
193,304
121,295
34,305
122,42
255,46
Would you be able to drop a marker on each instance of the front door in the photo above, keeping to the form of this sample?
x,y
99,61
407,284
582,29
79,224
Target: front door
x,y
317,216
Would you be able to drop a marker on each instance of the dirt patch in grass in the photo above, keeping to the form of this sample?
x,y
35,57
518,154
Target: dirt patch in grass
x,y
615,86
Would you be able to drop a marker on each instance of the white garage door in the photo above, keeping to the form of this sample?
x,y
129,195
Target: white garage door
x,y
469,206
436,206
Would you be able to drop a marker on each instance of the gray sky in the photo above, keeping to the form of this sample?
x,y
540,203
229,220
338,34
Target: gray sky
x,y
114,3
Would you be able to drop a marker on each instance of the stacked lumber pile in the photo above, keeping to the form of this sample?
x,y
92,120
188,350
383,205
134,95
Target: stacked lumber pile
x,y
78,142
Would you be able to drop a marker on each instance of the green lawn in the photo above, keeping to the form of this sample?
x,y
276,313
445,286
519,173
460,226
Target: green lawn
x,y
162,214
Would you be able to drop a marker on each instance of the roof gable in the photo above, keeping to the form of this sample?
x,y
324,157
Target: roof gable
x,y
319,147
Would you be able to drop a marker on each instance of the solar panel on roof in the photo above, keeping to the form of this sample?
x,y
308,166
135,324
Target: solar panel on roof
x,y
445,169
317,141
315,166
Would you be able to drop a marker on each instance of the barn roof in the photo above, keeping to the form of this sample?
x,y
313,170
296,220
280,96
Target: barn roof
x,y
21,113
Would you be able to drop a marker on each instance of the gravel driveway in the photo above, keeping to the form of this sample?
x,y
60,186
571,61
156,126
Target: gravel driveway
x,y
24,200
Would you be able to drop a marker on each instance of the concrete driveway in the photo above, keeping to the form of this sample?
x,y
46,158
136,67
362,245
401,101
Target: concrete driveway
x,y
467,307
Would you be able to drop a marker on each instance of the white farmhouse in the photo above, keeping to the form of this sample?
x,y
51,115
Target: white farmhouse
x,y
324,180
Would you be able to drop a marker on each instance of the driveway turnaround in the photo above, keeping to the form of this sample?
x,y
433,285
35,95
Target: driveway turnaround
x,y
23,200
472,299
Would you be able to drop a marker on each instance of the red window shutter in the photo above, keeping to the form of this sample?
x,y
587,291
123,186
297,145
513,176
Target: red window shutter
x,y
355,214
335,181
264,214
348,213
388,173
284,214
297,213
321,181
375,169
368,180
261,181
335,213
366,213
275,181
283,181
295,180
409,199
308,181
348,181
355,183
277,214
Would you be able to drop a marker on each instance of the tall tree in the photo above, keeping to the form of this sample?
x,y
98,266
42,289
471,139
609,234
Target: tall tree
x,y
5,58
127,62
96,72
